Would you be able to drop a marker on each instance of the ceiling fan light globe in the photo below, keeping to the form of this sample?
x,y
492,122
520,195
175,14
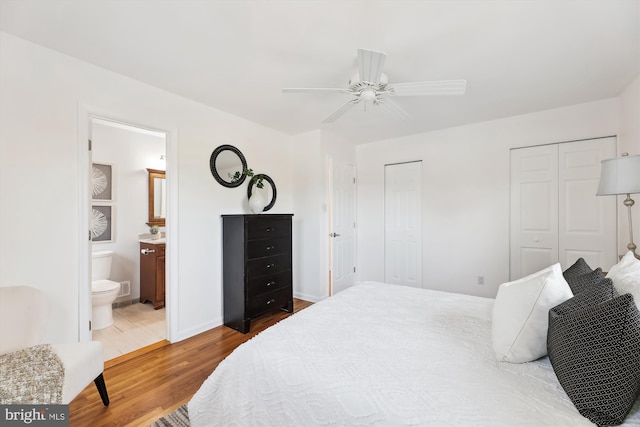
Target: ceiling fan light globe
x,y
368,95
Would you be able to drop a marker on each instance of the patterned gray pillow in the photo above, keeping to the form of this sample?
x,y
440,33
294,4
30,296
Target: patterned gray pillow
x,y
579,267
581,282
595,352
592,296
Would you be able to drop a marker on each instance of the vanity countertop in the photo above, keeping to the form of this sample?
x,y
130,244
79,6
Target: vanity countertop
x,y
159,241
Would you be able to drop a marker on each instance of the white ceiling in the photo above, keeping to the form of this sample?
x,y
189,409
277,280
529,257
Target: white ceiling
x,y
518,56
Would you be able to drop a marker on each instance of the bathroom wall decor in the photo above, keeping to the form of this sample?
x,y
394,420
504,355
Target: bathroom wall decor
x,y
102,182
102,223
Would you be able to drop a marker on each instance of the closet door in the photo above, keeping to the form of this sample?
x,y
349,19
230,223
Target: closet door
x,y
587,223
555,213
403,224
534,209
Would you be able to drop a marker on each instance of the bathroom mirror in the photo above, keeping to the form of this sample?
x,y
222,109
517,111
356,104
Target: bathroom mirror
x,y
227,164
157,198
269,189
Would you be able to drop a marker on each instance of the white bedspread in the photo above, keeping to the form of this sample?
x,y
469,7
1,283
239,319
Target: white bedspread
x,y
383,355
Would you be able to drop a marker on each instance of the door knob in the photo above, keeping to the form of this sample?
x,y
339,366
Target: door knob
x,y
334,235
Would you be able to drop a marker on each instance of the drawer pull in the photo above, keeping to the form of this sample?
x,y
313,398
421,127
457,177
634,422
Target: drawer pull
x,y
270,229
271,247
270,265
271,301
271,283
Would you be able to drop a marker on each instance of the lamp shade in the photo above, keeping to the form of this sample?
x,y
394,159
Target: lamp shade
x,y
620,176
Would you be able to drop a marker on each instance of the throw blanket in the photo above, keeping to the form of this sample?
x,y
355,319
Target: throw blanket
x,y
33,375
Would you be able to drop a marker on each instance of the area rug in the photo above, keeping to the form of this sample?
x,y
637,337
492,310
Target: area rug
x,y
178,418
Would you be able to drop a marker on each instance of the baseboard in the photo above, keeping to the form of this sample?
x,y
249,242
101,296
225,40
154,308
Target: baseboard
x,y
120,304
307,297
203,327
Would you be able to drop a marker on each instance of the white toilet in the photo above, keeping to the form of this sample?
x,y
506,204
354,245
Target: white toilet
x,y
103,291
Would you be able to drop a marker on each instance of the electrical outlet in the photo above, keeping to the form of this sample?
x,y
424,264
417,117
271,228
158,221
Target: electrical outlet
x,y
480,280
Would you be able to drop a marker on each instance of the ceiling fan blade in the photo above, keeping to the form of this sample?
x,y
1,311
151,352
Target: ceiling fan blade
x,y
346,107
370,65
439,87
312,90
393,109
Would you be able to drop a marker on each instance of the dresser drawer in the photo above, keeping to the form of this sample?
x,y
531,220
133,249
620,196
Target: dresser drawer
x,y
260,228
267,247
268,265
271,282
269,301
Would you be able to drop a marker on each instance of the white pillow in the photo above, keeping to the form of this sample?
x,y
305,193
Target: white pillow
x,y
521,314
625,276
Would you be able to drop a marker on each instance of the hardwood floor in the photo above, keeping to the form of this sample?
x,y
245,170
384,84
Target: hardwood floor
x,y
147,385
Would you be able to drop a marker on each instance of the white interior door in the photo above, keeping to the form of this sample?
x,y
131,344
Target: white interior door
x,y
342,227
403,224
586,222
534,209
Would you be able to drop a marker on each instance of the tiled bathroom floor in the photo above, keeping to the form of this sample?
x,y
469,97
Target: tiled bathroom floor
x,y
134,326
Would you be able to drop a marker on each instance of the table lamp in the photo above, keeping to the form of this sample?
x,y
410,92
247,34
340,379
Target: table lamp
x,y
621,176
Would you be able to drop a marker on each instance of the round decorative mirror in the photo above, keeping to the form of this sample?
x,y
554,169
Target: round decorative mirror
x,y
227,164
269,191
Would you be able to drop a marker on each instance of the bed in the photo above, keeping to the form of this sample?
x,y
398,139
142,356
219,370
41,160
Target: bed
x,y
383,355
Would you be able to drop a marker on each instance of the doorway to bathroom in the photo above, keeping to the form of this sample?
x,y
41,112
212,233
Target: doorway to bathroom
x,y
122,159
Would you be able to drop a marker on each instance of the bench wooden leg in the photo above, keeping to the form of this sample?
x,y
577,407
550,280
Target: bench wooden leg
x,y
102,389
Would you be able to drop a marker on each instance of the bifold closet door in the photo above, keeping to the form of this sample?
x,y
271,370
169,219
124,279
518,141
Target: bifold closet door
x,y
587,223
555,213
534,209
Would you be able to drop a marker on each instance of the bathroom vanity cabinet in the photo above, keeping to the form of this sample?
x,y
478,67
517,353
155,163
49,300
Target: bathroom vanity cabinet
x,y
256,267
152,273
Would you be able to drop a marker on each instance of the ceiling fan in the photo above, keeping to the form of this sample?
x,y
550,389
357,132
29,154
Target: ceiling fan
x,y
371,85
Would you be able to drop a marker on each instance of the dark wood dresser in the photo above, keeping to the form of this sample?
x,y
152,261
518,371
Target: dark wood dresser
x,y
152,273
256,264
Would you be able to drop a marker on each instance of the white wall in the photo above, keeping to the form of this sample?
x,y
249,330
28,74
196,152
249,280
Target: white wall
x,y
629,143
465,192
630,118
40,207
309,274
130,153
